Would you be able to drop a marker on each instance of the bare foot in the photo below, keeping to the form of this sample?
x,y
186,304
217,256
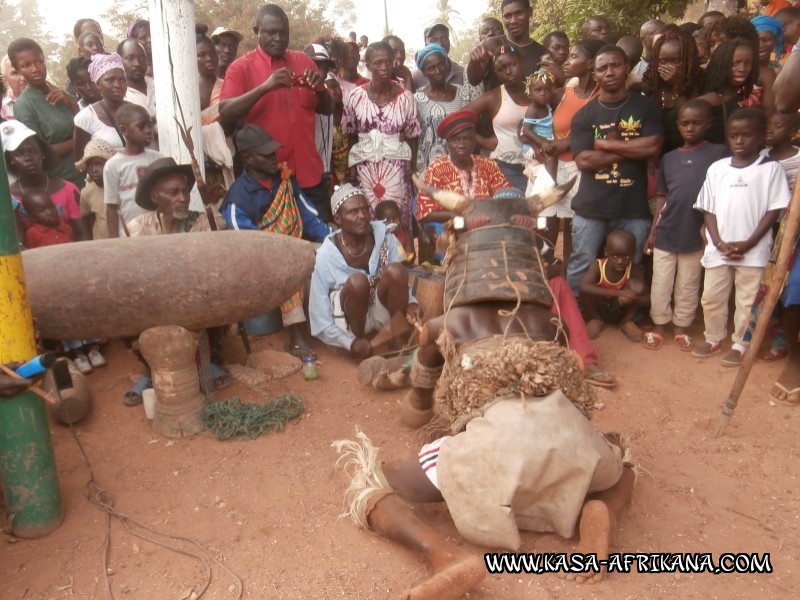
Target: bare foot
x,y
595,534
450,581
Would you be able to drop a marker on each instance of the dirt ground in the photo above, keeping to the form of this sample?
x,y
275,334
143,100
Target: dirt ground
x,y
269,508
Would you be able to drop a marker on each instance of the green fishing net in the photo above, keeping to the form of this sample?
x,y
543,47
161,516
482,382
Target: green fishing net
x,y
232,418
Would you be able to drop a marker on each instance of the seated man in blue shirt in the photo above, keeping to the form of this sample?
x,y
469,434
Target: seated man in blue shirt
x,y
266,197
359,285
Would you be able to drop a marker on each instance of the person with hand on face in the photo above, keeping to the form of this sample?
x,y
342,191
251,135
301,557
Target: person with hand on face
x,y
612,139
517,20
45,108
359,285
15,83
141,87
281,91
227,43
97,120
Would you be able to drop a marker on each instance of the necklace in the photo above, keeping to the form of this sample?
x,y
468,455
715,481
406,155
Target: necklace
x,y
350,252
613,107
673,97
44,189
587,94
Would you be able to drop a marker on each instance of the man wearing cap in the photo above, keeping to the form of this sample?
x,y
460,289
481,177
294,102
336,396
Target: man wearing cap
x,y
163,191
440,34
359,285
227,43
281,91
266,197
460,171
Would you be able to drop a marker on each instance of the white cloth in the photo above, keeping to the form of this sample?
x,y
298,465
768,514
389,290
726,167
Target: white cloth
x,y
739,198
790,165
88,120
217,147
543,182
640,68
323,138
378,315
376,145
148,100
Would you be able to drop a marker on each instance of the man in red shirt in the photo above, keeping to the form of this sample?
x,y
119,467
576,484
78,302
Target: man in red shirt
x,y
280,90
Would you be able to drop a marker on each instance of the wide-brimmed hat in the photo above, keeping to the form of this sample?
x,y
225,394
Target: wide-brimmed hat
x,y
455,122
96,148
14,133
253,138
156,170
220,30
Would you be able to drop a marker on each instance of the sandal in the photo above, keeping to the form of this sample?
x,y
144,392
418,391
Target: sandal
x,y
732,359
631,331
706,349
300,351
683,342
594,375
653,340
133,397
222,379
773,354
787,397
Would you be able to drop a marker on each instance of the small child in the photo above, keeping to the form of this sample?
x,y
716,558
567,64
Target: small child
x,y
781,130
675,241
122,171
613,288
389,212
93,207
47,229
741,199
537,126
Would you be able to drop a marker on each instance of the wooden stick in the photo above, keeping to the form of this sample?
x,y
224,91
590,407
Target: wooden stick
x,y
38,391
792,225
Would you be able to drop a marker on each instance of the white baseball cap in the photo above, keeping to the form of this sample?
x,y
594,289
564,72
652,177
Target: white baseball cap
x,y
220,30
13,133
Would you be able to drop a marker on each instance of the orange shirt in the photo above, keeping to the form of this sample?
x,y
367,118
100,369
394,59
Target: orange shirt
x,y
562,116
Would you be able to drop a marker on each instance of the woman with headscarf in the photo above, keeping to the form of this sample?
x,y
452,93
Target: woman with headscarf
x,y
435,101
96,121
45,108
770,39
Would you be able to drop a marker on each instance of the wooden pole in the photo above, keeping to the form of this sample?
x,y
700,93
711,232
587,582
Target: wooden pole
x,y
172,31
791,227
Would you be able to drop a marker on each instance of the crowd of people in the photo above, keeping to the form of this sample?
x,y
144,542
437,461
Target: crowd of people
x,y
682,148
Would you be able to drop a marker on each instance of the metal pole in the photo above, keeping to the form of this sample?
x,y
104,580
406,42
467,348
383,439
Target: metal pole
x,y
386,19
27,464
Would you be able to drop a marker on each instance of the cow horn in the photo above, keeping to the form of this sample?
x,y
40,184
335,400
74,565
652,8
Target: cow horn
x,y
539,202
451,201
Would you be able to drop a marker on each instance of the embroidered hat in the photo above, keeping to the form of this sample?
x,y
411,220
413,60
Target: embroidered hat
x,y
341,194
252,137
103,63
14,133
96,148
222,30
154,172
455,122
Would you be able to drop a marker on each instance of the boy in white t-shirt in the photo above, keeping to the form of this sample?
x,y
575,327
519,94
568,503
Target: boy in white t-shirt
x,y
740,200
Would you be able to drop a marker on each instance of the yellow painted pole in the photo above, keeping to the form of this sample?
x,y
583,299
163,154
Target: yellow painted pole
x,y
27,464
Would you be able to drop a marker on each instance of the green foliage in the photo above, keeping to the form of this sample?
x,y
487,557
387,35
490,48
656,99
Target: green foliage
x,y
22,19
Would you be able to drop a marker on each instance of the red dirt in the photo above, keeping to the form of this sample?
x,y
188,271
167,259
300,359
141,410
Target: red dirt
x,y
269,507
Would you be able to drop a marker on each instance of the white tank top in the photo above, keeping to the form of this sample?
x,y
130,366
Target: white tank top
x,y
506,125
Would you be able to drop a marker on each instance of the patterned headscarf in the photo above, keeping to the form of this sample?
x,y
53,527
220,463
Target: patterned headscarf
x,y
430,50
103,63
341,194
775,27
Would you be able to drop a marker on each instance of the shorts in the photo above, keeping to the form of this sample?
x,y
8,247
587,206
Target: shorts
x,y
378,315
429,458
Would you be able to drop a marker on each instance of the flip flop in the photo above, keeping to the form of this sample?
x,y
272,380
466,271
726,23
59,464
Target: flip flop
x,y
732,359
683,342
792,396
773,354
300,351
652,340
222,379
706,349
133,397
595,378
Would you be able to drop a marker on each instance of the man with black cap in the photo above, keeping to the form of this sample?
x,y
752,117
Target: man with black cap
x,y
440,34
163,190
226,41
266,197
323,128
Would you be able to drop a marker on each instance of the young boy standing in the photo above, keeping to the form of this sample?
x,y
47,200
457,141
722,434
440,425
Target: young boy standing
x,y
740,200
121,173
95,156
613,287
781,130
674,241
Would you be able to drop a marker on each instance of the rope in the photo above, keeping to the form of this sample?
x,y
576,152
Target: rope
x,y
104,500
232,418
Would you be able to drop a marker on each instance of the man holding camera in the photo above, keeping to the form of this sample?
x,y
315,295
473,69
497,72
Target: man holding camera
x,y
280,91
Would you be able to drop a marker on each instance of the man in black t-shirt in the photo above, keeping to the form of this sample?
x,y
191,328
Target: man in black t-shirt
x,y
612,139
517,20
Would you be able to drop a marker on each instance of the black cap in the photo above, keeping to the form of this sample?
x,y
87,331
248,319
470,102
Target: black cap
x,y
252,137
434,27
